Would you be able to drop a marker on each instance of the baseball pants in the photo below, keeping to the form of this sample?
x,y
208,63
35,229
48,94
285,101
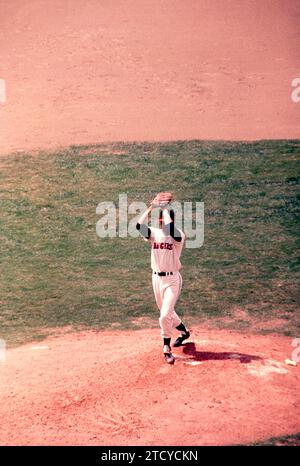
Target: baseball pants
x,y
167,291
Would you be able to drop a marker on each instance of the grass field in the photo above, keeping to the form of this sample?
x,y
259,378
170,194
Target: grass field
x,y
55,270
286,441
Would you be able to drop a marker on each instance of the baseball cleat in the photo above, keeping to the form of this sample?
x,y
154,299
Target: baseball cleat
x,y
180,340
169,358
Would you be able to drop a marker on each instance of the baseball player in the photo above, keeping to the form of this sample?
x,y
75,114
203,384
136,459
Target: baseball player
x,y
166,247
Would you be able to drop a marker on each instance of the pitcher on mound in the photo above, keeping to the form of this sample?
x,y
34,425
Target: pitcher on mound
x,y
166,246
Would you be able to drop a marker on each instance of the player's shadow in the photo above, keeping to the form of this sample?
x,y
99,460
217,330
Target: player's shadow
x,y
190,350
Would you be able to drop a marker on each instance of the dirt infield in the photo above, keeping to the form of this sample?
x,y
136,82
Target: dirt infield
x,y
91,71
113,388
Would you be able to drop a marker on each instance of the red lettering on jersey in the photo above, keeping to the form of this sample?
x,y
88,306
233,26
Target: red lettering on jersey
x,y
163,246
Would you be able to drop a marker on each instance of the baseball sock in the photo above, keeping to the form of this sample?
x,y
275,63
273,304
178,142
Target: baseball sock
x,y
167,341
182,328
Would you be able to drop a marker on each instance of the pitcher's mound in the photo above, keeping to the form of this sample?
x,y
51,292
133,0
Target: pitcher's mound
x,y
114,388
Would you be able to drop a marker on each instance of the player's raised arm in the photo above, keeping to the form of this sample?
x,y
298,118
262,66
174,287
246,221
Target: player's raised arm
x,y
169,226
141,226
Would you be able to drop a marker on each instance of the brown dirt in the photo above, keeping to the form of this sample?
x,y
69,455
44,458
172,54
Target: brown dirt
x,y
113,388
89,71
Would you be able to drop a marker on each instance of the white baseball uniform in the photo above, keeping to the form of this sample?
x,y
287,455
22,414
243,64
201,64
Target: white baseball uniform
x,y
165,257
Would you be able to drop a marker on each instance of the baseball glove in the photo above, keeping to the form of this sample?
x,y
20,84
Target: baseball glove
x,y
162,199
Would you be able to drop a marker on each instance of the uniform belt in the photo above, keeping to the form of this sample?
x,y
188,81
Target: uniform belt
x,y
163,274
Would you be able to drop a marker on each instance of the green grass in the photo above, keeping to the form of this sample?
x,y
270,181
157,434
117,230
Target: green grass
x,y
286,441
55,271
